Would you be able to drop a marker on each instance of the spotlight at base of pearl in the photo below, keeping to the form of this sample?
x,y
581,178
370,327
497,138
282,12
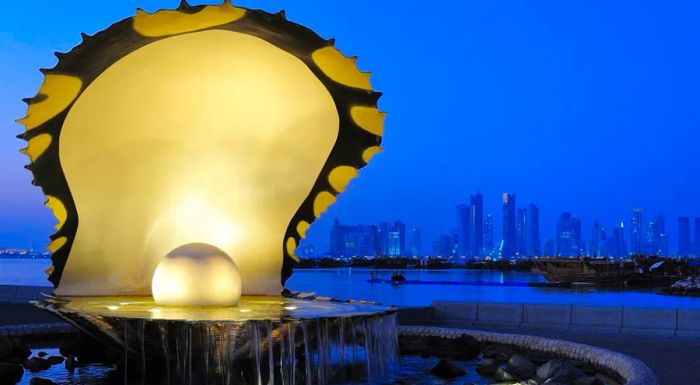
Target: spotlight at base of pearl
x,y
196,274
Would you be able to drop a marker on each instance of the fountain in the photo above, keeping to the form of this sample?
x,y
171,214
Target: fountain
x,y
184,154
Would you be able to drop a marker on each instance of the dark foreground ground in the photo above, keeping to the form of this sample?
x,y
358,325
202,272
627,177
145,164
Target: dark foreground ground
x,y
675,360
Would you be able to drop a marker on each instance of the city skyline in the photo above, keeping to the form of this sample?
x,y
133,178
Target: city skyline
x,y
589,108
470,235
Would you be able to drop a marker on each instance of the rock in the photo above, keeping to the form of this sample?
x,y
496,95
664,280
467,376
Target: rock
x,y
558,368
499,352
487,367
464,347
446,369
70,363
41,381
36,364
521,366
504,374
559,380
10,374
55,360
42,354
590,380
20,351
605,379
529,382
6,347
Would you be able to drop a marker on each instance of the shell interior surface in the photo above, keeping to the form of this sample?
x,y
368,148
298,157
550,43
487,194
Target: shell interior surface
x,y
214,124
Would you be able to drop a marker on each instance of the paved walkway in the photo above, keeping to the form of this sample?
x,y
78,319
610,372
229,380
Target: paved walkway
x,y
675,360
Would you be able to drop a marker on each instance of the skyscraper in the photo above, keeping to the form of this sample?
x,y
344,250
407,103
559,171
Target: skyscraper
x,y
660,237
696,239
463,228
509,225
578,242
683,237
594,249
532,231
414,242
442,246
397,239
358,240
636,231
488,233
568,235
520,231
617,247
476,225
383,238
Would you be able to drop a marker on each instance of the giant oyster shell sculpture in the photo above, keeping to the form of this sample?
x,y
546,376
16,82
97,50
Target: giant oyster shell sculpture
x,y
214,124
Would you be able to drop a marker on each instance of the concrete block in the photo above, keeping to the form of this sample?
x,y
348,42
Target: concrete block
x,y
7,293
688,322
541,314
416,315
637,319
27,293
596,317
455,311
500,313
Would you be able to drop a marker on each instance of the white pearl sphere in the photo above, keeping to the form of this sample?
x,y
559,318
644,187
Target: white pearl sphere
x,y
196,274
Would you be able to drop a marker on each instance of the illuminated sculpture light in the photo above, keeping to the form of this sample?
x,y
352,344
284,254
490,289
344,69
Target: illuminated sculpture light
x,y
218,126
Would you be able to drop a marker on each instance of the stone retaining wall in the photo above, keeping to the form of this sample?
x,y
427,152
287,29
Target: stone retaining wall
x,y
632,370
632,320
15,293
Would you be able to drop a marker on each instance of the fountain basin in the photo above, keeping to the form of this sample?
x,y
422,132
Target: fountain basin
x,y
265,339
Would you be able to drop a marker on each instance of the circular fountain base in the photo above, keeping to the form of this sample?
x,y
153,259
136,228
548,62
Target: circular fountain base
x,y
265,339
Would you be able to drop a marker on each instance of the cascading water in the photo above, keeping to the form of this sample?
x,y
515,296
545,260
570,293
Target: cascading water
x,y
262,342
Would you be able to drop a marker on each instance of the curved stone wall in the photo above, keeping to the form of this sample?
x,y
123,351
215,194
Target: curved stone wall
x,y
632,370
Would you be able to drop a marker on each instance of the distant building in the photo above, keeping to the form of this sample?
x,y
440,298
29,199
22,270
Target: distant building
x,y
684,237
414,243
476,225
306,249
594,247
660,239
397,239
548,250
454,242
617,247
488,233
358,240
463,222
568,235
532,231
442,246
520,231
696,224
636,232
509,226
383,238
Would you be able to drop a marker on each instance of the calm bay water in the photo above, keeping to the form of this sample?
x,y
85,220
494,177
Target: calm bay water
x,y
351,283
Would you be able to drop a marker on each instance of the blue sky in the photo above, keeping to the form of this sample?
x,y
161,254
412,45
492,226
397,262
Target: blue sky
x,y
582,106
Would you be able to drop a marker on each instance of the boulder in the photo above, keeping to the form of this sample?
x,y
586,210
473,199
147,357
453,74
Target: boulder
x,y
20,352
589,380
42,354
487,367
55,360
70,363
6,347
446,369
605,379
521,366
500,352
464,347
36,364
41,381
10,373
558,368
560,380
504,374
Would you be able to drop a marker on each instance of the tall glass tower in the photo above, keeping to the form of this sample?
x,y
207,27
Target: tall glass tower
x,y
509,225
